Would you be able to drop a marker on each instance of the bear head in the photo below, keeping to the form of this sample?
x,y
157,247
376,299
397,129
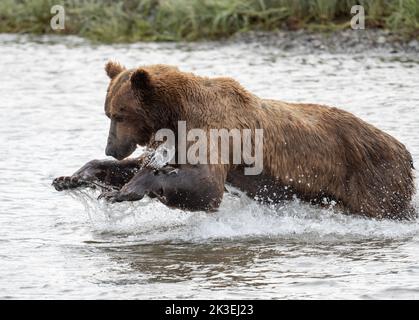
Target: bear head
x,y
138,103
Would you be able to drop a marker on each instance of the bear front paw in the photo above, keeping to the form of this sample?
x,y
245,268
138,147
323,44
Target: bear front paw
x,y
63,183
118,196
111,196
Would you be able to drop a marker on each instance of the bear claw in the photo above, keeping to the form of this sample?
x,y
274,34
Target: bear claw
x,y
63,183
111,196
118,196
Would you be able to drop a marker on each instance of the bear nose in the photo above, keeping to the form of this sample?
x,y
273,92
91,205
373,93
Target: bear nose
x,y
110,152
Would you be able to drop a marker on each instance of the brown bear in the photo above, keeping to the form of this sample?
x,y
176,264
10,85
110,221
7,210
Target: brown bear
x,y
310,151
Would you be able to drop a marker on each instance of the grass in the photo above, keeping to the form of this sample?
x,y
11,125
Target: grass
x,y
173,20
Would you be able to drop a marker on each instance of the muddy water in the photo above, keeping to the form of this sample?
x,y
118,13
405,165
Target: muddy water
x,y
69,245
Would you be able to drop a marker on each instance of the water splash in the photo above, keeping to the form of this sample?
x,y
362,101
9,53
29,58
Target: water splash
x,y
161,156
239,217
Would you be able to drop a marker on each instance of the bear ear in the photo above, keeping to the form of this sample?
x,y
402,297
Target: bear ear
x,y
141,82
113,68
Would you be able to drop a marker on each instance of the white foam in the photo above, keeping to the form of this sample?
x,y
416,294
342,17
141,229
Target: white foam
x,y
238,217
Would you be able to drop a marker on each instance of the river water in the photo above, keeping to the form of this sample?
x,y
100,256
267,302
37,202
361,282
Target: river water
x,y
69,245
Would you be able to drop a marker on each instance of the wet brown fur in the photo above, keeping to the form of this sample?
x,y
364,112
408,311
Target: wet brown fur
x,y
310,150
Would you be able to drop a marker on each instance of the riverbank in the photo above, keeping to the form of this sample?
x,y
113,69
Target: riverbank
x,y
191,20
343,41
296,42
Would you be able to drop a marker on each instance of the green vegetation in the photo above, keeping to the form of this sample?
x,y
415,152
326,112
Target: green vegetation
x,y
173,20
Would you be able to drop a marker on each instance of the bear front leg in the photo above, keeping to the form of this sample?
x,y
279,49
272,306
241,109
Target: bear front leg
x,y
140,185
110,172
186,187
